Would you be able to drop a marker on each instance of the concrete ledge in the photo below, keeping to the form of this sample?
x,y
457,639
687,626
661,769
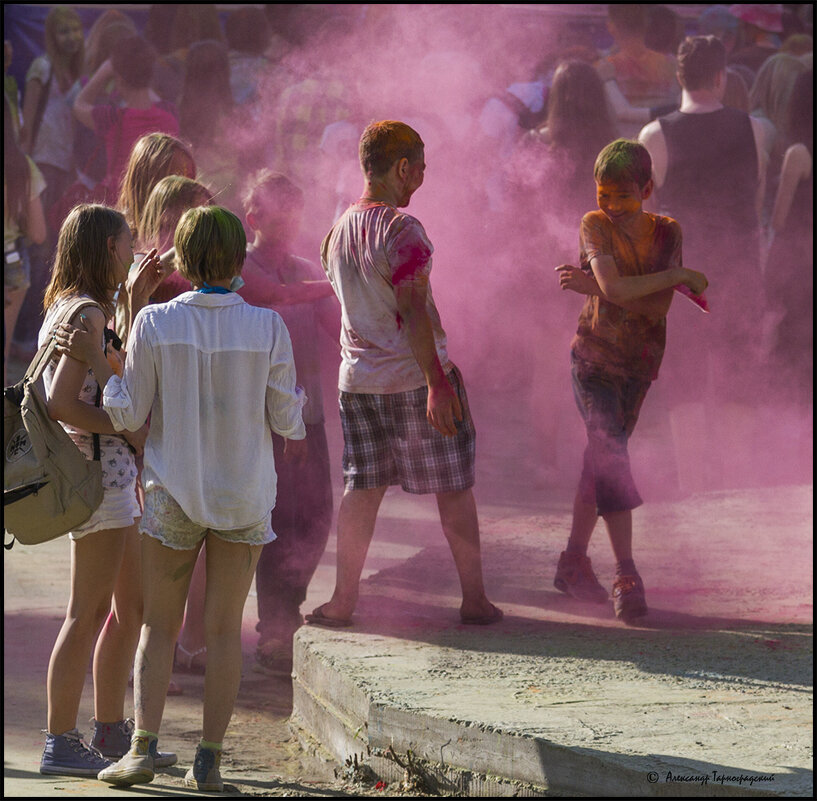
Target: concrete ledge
x,y
561,698
474,759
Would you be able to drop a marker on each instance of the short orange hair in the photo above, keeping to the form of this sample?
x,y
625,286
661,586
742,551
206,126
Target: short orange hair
x,y
388,141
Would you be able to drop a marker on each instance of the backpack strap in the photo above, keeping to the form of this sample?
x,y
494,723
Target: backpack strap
x,y
46,353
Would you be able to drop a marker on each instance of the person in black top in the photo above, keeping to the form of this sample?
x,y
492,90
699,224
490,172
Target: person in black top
x,y
709,170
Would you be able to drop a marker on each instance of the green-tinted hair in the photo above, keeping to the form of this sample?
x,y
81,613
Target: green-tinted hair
x,y
623,161
210,244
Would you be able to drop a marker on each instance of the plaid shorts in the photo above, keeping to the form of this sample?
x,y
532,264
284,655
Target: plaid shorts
x,y
388,440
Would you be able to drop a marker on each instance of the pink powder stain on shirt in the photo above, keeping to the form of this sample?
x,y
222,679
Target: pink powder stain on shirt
x,y
412,260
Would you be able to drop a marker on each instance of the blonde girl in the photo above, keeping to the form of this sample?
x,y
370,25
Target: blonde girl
x,y
47,136
94,252
169,200
57,71
152,158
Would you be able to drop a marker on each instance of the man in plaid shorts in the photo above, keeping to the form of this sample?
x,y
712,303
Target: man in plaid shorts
x,y
402,402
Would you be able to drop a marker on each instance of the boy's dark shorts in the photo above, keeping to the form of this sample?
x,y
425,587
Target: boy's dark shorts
x,y
388,440
609,405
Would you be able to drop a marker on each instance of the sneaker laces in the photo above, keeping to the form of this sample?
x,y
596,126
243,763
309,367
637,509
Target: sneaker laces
x,y
87,752
625,584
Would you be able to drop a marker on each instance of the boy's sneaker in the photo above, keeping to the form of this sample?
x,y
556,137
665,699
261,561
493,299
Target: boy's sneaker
x,y
575,576
112,740
136,767
69,755
204,775
628,597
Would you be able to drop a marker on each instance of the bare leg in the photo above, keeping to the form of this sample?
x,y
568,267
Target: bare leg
x,y
585,517
356,518
458,515
116,646
620,528
192,635
230,571
95,564
166,577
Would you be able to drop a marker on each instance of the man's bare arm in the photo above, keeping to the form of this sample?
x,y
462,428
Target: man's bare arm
x,y
443,404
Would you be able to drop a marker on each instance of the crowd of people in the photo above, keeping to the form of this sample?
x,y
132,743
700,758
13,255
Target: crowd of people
x,y
184,176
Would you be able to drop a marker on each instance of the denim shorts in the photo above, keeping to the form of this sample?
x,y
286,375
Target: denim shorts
x,y
164,520
17,273
387,439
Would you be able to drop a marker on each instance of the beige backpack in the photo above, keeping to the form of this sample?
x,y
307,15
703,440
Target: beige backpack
x,y
49,487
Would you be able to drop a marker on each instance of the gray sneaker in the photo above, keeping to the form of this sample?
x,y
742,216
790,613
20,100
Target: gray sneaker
x,y
136,767
69,755
112,740
204,775
575,577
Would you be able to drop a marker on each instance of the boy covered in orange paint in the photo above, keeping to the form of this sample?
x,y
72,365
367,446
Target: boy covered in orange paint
x,y
630,262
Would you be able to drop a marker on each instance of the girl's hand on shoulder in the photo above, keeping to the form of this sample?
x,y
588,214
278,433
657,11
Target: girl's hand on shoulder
x,y
80,342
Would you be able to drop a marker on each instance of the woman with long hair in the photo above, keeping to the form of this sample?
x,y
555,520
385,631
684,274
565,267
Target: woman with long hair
x,y
152,158
47,135
578,126
93,256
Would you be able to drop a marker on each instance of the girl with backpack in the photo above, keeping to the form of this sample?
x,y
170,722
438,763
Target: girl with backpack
x,y
217,378
93,256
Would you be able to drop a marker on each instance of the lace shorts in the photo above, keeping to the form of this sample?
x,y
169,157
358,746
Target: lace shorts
x,y
164,520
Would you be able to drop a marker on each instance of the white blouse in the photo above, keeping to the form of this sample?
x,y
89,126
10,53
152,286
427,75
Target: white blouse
x,y
216,375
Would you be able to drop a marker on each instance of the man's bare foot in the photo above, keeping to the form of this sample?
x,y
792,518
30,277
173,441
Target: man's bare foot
x,y
323,616
481,614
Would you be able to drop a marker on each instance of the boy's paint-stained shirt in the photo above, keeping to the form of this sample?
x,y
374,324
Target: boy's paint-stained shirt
x,y
621,341
371,250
